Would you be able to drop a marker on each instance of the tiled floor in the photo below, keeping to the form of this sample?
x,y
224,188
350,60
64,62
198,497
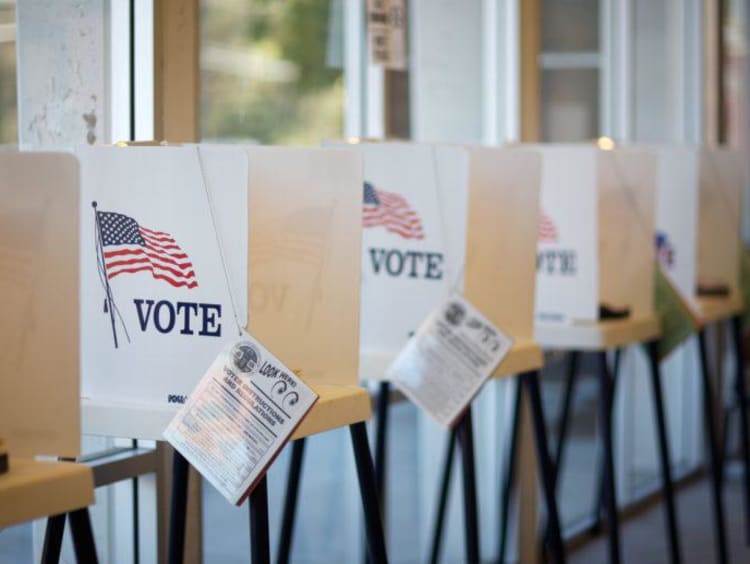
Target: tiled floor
x,y
644,539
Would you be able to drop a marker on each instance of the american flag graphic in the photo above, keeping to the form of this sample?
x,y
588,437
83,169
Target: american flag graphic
x,y
128,247
664,249
391,211
547,229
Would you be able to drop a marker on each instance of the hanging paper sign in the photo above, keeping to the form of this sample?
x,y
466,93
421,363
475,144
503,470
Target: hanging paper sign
x,y
386,31
675,319
445,365
239,417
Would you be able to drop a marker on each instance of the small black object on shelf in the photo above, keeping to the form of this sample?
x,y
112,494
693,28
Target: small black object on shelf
x,y
717,290
3,458
609,312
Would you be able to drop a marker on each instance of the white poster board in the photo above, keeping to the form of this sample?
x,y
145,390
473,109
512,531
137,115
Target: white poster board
x,y
595,246
155,304
567,267
699,219
414,207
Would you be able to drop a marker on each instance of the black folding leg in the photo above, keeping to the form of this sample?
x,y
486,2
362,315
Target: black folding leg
x,y
664,457
381,433
571,376
605,422
53,537
258,505
290,501
445,482
365,473
599,501
564,419
715,461
178,509
741,394
546,473
83,537
465,436
509,476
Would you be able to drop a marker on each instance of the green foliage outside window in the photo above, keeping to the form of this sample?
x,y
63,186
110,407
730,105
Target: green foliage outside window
x,y
266,73
8,115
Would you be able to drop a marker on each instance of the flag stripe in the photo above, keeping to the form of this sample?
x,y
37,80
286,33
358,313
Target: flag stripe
x,y
392,211
159,240
161,248
170,260
175,283
137,249
176,256
547,229
152,232
177,273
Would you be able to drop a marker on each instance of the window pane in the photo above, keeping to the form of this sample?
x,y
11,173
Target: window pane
x,y
570,104
271,71
570,25
734,73
8,115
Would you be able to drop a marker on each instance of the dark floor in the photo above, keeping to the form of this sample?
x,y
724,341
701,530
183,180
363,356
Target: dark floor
x,y
644,540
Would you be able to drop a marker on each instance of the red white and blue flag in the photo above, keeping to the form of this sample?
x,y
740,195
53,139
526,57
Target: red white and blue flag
x,y
392,211
128,248
547,229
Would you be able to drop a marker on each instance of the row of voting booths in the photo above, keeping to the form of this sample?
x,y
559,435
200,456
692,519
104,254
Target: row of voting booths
x,y
125,270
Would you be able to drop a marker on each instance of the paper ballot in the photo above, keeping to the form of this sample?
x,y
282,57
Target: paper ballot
x,y
239,417
446,363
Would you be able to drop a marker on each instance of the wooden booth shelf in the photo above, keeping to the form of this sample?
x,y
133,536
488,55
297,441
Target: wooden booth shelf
x,y
598,336
524,356
34,489
337,406
711,310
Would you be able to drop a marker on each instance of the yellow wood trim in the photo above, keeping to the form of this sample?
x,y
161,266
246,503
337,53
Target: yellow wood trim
x,y
34,489
530,80
176,70
598,336
711,72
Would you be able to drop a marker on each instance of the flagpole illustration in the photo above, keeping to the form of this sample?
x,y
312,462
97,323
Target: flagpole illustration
x,y
108,301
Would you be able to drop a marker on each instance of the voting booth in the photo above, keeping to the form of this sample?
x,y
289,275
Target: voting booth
x,y
39,327
440,219
304,259
595,247
155,301
180,246
304,272
503,211
39,345
699,223
414,204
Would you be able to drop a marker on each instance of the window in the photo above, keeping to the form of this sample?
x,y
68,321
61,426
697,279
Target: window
x,y
570,73
271,71
8,114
